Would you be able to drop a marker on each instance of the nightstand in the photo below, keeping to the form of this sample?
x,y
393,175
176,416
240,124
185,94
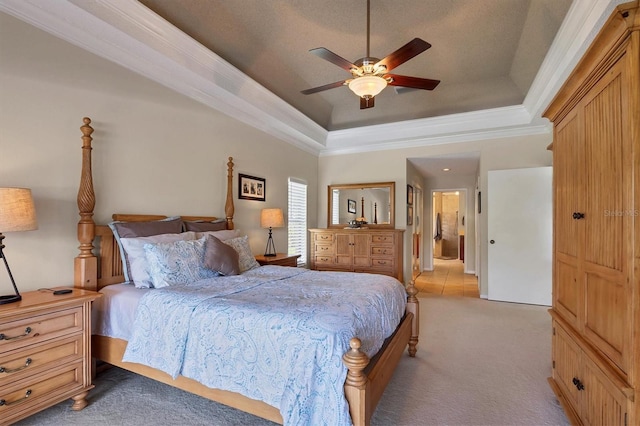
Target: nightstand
x,y
280,259
45,352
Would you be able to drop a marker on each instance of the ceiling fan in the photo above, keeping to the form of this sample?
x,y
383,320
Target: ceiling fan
x,y
370,75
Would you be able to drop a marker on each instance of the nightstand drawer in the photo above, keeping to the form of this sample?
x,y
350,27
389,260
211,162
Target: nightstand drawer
x,y
20,333
57,384
21,363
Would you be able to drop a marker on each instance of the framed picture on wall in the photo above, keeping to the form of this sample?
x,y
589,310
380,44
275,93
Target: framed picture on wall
x,y
351,206
410,215
251,188
410,195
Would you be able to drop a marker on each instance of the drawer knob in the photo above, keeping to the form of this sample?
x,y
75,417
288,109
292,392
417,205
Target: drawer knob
x,y
27,363
26,395
27,331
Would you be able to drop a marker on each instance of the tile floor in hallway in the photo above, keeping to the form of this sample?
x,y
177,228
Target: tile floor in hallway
x,y
448,279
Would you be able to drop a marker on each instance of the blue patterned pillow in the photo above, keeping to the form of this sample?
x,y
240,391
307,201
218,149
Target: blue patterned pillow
x,y
178,262
246,259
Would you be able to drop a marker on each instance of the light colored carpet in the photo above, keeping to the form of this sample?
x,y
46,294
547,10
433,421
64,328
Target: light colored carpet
x,y
478,363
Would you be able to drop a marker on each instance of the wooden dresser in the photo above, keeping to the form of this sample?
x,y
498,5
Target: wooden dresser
x,y
596,293
377,251
45,352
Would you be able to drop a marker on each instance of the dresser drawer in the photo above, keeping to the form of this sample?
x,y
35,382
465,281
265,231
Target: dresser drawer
x,y
382,263
382,238
324,260
382,251
20,333
323,249
54,386
323,237
18,364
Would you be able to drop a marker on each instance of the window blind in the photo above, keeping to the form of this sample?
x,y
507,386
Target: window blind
x,y
297,220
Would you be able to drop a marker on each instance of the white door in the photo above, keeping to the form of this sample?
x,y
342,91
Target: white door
x,y
519,208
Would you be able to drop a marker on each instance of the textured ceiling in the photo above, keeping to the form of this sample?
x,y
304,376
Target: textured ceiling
x,y
485,52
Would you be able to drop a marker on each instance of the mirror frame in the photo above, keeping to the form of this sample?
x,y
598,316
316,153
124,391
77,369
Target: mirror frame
x,y
392,202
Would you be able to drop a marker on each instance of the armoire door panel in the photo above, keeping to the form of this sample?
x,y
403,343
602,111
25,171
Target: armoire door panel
x,y
606,201
604,403
606,322
567,291
567,359
568,175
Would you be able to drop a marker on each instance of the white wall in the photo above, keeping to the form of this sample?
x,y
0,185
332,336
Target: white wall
x,y
390,165
154,152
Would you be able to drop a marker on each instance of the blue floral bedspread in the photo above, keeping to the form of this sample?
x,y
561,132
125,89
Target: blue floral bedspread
x,y
274,334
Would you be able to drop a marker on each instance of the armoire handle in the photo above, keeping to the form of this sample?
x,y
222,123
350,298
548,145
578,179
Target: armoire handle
x,y
578,215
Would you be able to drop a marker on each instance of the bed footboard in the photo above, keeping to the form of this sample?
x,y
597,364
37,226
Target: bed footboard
x,y
367,379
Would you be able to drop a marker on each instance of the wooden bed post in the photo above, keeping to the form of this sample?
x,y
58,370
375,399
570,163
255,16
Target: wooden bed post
x,y
228,207
355,385
413,306
86,263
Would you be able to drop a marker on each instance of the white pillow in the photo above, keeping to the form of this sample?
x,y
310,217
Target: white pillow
x,y
178,262
246,259
134,248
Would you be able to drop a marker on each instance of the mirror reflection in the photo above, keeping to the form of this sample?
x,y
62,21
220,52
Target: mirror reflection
x,y
362,205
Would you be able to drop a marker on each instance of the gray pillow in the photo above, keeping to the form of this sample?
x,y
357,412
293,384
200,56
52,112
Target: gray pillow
x,y
170,225
203,226
220,257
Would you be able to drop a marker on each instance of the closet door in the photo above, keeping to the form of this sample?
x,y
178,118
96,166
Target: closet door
x,y
608,217
569,177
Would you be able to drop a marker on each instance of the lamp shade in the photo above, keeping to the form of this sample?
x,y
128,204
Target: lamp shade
x,y
368,85
271,218
17,212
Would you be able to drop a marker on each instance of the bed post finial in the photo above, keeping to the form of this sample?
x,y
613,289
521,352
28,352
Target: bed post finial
x,y
85,274
228,207
356,382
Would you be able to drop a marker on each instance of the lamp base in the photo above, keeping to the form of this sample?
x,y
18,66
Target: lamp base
x,y
10,299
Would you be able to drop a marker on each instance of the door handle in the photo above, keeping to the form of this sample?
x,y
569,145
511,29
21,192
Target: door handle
x,y
578,215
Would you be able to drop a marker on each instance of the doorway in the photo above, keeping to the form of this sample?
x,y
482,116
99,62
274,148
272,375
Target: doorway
x,y
449,229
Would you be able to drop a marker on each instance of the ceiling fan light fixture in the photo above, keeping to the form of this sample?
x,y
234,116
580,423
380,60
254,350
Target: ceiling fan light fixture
x,y
367,86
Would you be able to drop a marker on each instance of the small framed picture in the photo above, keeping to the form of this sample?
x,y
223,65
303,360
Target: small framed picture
x,y
410,215
351,206
251,188
410,195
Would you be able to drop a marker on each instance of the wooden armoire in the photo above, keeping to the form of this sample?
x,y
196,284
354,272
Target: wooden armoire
x,y
596,291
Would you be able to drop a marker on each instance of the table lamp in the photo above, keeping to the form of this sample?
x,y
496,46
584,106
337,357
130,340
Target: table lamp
x,y
17,213
271,218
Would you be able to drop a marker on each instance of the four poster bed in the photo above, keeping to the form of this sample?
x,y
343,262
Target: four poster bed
x,y
363,377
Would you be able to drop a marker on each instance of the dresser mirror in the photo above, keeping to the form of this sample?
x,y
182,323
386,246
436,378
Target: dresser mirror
x,y
355,203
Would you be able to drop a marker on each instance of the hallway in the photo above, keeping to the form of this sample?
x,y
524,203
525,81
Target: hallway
x,y
448,279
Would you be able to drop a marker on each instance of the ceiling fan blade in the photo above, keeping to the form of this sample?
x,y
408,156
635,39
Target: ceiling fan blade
x,y
321,88
413,82
367,103
402,55
333,58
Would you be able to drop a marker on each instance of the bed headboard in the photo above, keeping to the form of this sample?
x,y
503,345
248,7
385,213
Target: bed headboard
x,y
98,266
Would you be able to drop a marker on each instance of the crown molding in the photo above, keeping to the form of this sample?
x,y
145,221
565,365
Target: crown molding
x,y
584,20
131,35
